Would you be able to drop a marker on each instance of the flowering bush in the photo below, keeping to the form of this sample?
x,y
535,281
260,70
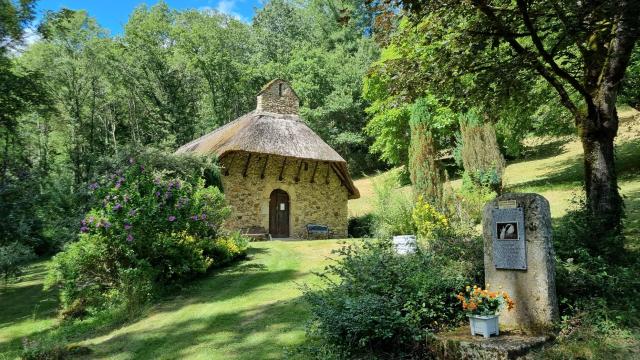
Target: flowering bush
x,y
151,229
429,222
477,301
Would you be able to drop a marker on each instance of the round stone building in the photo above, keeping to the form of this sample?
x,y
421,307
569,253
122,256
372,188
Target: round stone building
x,y
277,174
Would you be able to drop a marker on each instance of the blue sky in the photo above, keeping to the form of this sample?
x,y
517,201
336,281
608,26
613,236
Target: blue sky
x,y
113,14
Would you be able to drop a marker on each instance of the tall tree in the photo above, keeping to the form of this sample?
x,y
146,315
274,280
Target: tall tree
x,y
580,48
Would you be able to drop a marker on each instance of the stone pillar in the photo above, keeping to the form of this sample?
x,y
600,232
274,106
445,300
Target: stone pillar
x,y
518,255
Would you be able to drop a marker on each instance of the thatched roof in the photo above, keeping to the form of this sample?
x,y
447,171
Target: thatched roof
x,y
270,133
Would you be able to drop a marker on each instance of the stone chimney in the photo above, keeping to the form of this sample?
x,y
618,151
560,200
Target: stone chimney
x,y
278,97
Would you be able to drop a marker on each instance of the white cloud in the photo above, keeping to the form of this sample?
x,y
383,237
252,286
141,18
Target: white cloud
x,y
224,7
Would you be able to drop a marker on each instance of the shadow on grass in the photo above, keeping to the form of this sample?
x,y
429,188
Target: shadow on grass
x,y
544,151
571,171
250,334
26,298
23,306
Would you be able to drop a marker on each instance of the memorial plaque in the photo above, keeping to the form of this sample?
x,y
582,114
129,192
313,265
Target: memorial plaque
x,y
509,249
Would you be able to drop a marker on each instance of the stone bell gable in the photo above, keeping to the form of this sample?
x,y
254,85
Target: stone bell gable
x,y
278,97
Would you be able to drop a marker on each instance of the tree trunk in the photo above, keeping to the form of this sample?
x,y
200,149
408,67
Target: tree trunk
x,y
598,132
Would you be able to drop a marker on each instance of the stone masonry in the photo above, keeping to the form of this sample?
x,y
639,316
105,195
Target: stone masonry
x,y
310,202
278,97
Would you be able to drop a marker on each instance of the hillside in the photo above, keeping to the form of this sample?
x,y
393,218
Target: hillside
x,y
552,167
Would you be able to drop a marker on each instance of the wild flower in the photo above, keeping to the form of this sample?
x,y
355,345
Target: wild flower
x,y
93,186
171,218
84,229
129,237
117,207
127,226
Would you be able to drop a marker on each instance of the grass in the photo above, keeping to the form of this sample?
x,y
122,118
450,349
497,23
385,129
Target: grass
x,y
26,309
251,310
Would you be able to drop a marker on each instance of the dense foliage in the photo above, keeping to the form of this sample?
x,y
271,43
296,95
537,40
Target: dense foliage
x,y
378,302
152,228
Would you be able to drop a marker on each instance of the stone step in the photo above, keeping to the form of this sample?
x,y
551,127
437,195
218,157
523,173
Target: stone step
x,y
459,344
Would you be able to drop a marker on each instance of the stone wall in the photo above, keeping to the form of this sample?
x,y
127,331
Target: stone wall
x,y
317,202
271,100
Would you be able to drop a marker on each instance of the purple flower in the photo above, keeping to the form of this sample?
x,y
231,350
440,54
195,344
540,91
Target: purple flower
x,y
171,218
157,193
83,222
194,218
203,216
127,226
129,237
118,185
141,167
84,229
156,181
117,207
107,224
133,212
93,186
126,198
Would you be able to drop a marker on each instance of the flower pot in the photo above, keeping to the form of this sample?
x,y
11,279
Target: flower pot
x,y
484,325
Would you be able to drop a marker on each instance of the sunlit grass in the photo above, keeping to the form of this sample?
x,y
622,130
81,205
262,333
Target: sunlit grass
x,y
25,309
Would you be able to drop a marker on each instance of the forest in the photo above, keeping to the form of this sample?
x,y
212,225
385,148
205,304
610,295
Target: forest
x,y
435,90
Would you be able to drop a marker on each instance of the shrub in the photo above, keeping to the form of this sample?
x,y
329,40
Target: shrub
x,y
13,257
472,198
361,226
384,302
429,222
594,286
152,229
393,209
480,152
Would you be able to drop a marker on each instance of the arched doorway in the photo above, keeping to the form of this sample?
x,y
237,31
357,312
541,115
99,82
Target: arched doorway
x,y
279,214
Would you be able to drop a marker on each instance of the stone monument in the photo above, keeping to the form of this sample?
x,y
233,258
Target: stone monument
x,y
518,256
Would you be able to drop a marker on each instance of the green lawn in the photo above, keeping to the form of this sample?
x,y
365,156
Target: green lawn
x,y
252,310
25,309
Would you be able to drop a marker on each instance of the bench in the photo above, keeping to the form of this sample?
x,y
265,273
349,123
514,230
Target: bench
x,y
317,231
257,233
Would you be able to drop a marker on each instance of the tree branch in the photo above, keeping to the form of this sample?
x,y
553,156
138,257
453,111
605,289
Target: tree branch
x,y
546,56
528,55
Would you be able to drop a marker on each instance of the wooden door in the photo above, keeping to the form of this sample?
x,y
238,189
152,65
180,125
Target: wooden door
x,y
279,214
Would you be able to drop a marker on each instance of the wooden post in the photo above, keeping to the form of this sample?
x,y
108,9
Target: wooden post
x,y
313,176
226,171
297,178
264,167
326,177
246,166
284,162
337,171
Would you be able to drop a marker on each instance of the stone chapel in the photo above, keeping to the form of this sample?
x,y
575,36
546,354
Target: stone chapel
x,y
277,174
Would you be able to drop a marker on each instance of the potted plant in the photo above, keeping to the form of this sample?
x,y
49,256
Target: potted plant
x,y
483,308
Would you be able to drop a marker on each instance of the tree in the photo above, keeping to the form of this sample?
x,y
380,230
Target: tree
x,y
580,49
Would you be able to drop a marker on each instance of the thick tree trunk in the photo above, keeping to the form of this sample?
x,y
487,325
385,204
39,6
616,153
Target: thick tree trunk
x,y
598,131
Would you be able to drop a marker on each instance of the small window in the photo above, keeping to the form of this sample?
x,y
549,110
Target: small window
x,y
280,88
